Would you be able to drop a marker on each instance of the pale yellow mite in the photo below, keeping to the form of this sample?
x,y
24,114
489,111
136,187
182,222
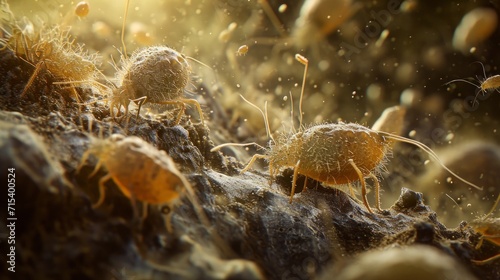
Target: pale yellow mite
x,y
155,74
334,154
316,20
490,83
143,173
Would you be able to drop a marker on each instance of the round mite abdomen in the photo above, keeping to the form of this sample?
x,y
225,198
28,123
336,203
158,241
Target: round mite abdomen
x,y
324,152
327,149
158,72
157,75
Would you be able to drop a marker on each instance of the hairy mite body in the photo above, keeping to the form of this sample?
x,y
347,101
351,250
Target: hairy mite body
x,y
334,154
53,49
158,72
155,74
140,171
324,152
492,82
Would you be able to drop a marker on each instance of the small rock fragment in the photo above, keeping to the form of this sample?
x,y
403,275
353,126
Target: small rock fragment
x,y
414,262
476,26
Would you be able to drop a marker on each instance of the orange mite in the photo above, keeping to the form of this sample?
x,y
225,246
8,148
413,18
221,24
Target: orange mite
x,y
140,170
143,173
489,228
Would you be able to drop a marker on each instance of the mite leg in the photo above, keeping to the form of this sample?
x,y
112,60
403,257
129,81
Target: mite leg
x,y
118,106
304,188
271,174
294,181
82,161
145,210
198,107
111,111
480,243
486,260
377,191
179,104
351,190
38,67
353,193
168,222
139,101
167,217
97,167
72,87
251,162
101,191
363,185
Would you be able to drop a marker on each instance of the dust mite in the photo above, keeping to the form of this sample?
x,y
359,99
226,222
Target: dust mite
x,y
52,49
489,228
334,154
490,83
157,74
140,171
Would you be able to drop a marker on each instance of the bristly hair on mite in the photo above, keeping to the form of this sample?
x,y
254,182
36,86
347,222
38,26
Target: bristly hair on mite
x,y
51,49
